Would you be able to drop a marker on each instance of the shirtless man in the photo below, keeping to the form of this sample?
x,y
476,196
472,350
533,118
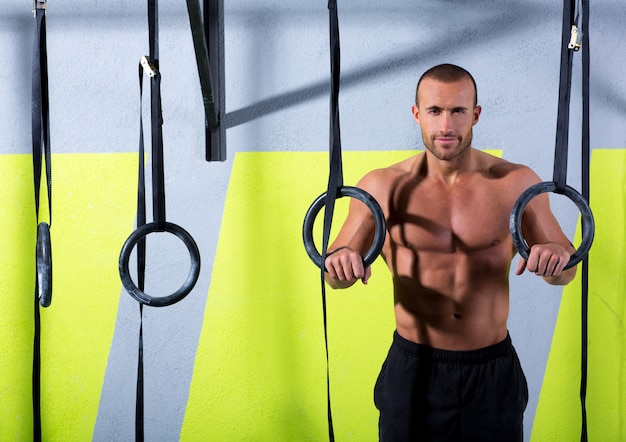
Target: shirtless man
x,y
451,372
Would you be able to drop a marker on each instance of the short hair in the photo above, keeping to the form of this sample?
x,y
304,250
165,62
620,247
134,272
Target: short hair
x,y
447,73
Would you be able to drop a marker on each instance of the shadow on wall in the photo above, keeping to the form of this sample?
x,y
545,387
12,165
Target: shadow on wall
x,y
514,17
490,25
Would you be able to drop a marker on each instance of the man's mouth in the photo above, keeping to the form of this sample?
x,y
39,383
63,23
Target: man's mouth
x,y
447,140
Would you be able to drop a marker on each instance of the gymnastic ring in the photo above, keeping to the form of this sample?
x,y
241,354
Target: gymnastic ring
x,y
364,197
129,245
588,225
44,265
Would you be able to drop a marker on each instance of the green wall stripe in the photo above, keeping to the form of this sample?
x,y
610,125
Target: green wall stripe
x,y
559,412
93,212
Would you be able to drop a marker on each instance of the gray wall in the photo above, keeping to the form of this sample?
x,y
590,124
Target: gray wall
x,y
276,99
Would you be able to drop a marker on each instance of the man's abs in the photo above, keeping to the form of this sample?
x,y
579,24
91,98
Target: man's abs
x,y
461,314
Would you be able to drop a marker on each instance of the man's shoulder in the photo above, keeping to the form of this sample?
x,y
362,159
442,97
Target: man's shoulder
x,y
400,168
501,168
511,178
382,181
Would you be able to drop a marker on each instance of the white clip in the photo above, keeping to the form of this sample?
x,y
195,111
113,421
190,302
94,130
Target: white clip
x,y
38,4
148,67
575,39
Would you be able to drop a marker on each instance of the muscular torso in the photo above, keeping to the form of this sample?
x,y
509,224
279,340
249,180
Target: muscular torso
x,y
449,250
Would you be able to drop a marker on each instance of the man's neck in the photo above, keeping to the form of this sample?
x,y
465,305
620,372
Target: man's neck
x,y
447,171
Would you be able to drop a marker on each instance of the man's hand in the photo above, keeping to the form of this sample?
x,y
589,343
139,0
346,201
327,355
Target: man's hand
x,y
344,267
546,260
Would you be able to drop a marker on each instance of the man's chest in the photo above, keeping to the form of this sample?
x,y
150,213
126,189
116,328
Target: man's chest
x,y
449,221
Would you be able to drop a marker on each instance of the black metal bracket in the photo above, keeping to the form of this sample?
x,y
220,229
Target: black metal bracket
x,y
213,11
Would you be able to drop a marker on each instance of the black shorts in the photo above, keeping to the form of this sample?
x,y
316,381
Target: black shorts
x,y
425,394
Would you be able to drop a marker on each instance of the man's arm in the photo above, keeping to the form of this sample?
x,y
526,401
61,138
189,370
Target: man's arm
x,y
550,250
344,260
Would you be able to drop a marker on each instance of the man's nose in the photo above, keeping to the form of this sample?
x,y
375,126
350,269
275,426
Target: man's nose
x,y
445,122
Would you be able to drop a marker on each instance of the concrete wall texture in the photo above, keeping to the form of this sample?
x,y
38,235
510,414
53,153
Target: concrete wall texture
x,y
242,356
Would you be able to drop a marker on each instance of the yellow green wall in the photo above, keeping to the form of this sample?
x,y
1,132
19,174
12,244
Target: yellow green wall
x,y
93,212
259,371
559,415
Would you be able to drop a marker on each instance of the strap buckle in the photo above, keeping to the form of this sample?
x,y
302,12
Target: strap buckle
x,y
148,67
575,39
38,4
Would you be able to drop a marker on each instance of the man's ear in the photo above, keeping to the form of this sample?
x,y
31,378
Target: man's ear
x,y
416,114
477,111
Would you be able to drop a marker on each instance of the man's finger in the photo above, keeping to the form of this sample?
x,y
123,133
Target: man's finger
x,y
368,273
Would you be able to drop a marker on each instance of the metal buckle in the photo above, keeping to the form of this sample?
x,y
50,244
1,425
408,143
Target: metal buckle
x,y
575,39
148,67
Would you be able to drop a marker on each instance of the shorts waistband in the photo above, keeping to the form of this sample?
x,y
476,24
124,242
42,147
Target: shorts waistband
x,y
478,356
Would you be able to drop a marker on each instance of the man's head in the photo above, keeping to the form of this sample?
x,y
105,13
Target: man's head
x,y
446,73
446,110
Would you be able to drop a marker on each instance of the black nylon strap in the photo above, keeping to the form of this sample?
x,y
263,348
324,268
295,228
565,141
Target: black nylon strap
x,y
158,186
139,418
585,178
211,117
40,112
141,267
141,191
158,175
150,66
565,81
158,190
335,179
37,376
41,148
571,14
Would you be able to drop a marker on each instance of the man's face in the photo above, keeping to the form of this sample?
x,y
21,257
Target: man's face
x,y
446,114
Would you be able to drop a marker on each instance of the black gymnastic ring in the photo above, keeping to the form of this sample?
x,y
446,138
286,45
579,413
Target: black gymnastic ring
x,y
44,265
129,245
588,225
353,192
